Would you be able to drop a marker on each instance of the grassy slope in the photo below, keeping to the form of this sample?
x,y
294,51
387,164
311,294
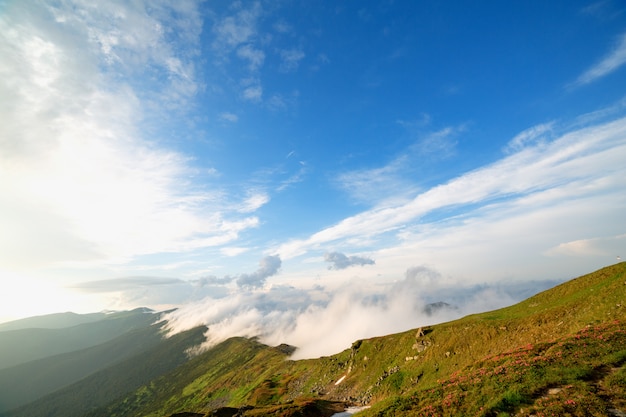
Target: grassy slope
x,y
573,336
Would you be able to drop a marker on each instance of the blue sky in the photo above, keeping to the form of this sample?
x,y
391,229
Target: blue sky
x,y
163,153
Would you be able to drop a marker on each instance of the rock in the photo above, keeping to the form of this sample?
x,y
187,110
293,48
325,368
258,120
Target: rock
x,y
420,333
421,345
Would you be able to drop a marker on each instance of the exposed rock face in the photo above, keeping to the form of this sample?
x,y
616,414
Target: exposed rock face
x,y
286,349
420,333
422,345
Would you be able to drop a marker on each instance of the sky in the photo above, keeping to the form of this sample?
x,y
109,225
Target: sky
x,y
271,166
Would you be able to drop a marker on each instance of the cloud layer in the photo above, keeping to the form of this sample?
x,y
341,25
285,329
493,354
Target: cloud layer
x,y
323,321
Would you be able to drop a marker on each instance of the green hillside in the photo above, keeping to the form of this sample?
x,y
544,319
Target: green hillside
x,y
560,352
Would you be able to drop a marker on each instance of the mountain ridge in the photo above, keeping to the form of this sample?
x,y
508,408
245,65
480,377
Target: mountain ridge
x,y
560,352
23,345
386,372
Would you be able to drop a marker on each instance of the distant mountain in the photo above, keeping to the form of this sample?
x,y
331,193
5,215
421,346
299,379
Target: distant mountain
x,y
433,308
111,383
52,321
30,381
27,344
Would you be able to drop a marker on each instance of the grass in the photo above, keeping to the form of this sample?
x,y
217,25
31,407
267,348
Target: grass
x,y
555,378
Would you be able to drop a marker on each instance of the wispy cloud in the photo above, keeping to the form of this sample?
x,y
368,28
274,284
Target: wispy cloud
x,y
282,27
127,283
295,178
291,59
440,144
607,246
254,202
254,56
167,293
610,63
159,293
229,117
399,178
376,184
577,165
83,173
243,41
253,93
530,137
238,28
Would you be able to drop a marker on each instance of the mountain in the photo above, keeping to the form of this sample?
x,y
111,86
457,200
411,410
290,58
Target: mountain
x,y
111,383
560,352
29,381
52,321
27,344
433,308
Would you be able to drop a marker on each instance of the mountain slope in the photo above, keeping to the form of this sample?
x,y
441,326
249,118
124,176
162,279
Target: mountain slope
x,y
29,381
414,373
25,345
115,381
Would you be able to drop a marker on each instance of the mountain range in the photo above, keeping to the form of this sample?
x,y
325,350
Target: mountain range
x,y
559,352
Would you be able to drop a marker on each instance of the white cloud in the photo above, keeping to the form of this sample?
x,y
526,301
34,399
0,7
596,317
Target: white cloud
x,y
85,183
323,321
233,250
282,27
398,180
253,93
238,28
255,57
294,179
579,165
599,246
531,136
440,144
276,102
254,202
147,291
614,60
229,117
377,184
291,59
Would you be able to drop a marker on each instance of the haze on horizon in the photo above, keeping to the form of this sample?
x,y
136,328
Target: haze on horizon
x,y
268,166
